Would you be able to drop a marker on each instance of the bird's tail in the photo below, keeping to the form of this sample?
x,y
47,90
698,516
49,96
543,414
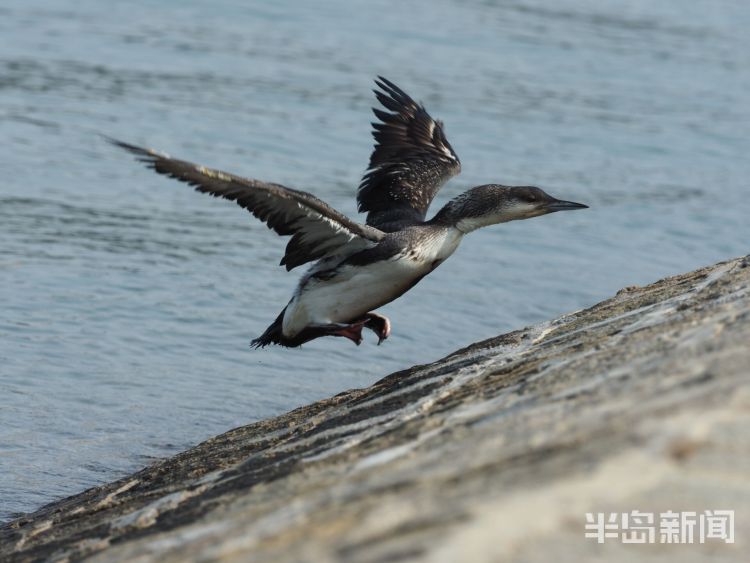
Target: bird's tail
x,y
272,335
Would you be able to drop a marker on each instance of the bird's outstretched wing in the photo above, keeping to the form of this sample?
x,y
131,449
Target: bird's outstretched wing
x,y
317,230
411,161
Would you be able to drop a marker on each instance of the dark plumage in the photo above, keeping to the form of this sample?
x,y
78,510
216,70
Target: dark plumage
x,y
359,268
412,159
316,228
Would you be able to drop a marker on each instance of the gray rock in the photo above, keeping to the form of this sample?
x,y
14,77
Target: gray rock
x,y
494,453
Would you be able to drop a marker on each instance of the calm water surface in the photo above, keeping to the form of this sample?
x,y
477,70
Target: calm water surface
x,y
127,302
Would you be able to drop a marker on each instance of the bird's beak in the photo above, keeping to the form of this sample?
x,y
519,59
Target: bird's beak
x,y
560,205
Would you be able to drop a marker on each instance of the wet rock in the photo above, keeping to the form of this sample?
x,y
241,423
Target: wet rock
x,y
494,453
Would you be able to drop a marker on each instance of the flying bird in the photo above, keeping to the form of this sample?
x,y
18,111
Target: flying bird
x,y
357,268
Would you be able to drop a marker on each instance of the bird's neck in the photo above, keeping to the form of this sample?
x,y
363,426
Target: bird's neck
x,y
470,211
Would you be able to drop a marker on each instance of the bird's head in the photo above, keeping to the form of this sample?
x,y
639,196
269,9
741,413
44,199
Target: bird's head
x,y
524,202
492,203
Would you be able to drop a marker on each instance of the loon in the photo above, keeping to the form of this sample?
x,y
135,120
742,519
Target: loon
x,y
358,268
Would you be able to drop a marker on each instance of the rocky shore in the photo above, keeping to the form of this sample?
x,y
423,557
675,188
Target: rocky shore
x,y
495,453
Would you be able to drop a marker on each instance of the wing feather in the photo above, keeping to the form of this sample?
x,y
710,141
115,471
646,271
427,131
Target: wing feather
x,y
411,160
317,230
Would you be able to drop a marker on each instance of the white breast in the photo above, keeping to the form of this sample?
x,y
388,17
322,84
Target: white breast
x,y
356,290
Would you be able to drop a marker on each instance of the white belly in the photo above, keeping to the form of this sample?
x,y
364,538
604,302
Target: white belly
x,y
356,290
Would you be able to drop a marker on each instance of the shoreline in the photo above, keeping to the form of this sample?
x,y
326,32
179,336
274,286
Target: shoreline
x,y
496,451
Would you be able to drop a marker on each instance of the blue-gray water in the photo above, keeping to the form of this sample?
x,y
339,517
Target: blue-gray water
x,y
127,301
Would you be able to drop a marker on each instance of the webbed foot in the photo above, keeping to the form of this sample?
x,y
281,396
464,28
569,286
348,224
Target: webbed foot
x,y
379,324
351,331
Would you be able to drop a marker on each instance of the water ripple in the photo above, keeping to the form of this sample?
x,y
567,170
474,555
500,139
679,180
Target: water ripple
x,y
128,301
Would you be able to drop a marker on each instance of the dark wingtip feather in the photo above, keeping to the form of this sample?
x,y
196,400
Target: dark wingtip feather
x,y
387,85
142,154
123,144
411,158
392,91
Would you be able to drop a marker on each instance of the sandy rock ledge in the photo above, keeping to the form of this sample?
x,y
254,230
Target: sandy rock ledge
x,y
494,453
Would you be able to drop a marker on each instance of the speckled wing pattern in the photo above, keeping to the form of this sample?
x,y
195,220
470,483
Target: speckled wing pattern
x,y
412,159
317,230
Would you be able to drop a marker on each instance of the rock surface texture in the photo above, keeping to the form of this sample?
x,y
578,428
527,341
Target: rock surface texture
x,y
495,453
